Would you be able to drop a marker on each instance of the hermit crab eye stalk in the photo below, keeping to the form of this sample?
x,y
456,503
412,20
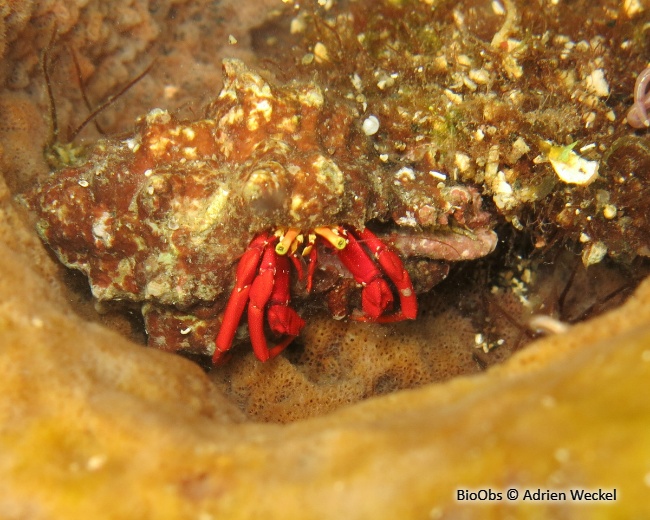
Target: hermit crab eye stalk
x,y
288,240
331,236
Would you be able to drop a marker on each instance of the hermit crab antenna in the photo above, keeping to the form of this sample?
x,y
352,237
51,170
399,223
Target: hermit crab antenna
x,y
110,100
82,88
45,60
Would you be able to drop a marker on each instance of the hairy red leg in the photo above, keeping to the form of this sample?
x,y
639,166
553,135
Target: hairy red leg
x,y
246,272
376,296
394,269
272,285
297,264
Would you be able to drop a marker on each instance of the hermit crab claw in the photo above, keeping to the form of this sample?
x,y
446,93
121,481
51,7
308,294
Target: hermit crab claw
x,y
394,269
376,296
282,319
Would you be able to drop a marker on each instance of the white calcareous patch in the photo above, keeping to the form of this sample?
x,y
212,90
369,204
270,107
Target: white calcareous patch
x,y
597,84
101,231
404,174
158,115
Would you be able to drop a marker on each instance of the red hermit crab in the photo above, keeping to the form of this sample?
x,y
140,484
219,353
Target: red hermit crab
x,y
181,214
263,278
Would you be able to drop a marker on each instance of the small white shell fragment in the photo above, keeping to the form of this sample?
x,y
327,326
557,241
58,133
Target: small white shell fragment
x,y
456,99
405,174
464,60
298,25
610,211
231,39
462,161
593,253
503,187
597,83
356,82
520,146
570,167
480,76
370,125
632,7
189,133
497,8
320,53
407,220
158,115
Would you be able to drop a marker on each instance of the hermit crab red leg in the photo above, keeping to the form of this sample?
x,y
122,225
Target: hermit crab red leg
x,y
376,295
259,295
394,269
271,287
262,279
244,277
281,318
